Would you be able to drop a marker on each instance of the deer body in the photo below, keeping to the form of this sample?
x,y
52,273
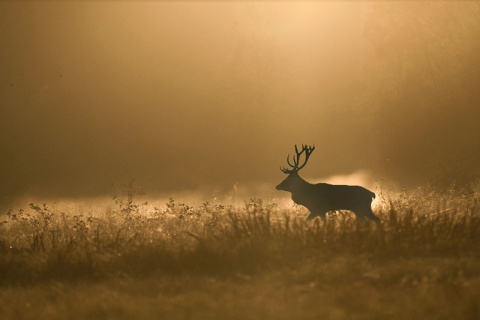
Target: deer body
x,y
321,198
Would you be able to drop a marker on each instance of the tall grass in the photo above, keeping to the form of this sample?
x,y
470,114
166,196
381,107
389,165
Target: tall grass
x,y
42,244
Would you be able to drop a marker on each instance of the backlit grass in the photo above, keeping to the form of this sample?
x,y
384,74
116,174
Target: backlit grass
x,y
216,261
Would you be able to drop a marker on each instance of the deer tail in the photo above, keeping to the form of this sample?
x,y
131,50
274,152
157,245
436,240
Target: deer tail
x,y
373,195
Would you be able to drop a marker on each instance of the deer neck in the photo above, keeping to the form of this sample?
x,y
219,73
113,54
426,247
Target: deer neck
x,y
301,184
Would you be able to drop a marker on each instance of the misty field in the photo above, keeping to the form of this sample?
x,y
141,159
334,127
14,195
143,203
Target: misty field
x,y
130,260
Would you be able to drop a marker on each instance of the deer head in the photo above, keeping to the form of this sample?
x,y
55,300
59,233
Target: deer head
x,y
293,180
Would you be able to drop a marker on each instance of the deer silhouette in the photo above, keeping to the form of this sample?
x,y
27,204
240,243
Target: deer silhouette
x,y
321,198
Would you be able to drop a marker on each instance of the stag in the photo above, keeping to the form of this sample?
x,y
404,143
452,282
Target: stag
x,y
321,198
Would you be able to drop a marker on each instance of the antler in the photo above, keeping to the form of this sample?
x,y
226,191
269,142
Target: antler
x,y
296,159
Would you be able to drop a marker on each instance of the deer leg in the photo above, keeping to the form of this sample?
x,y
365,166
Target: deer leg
x,y
313,215
369,214
366,212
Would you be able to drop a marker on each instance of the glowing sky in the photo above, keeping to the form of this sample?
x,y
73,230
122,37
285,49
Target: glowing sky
x,y
182,95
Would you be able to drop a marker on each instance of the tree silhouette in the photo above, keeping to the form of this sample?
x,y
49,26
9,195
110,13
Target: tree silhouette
x,y
421,81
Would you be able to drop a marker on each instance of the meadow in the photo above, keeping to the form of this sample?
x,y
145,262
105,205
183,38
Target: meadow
x,y
261,260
